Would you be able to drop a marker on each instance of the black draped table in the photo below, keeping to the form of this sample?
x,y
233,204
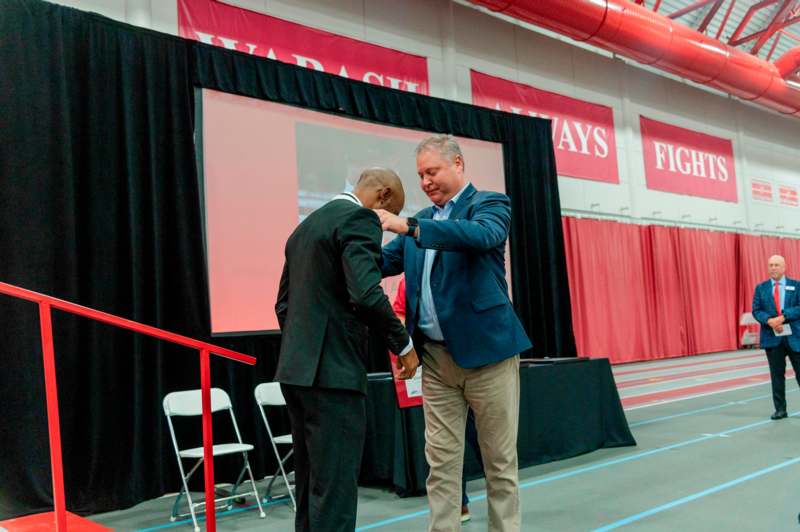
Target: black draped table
x,y
566,409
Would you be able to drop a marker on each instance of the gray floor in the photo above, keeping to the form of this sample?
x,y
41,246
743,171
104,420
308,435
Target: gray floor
x,y
707,463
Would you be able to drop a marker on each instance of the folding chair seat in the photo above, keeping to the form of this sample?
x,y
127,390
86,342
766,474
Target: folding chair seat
x,y
268,394
186,404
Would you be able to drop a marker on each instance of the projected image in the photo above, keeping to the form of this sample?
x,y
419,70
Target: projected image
x,y
340,156
267,166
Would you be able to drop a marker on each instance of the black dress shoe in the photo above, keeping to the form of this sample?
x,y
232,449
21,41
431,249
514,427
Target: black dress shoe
x,y
779,414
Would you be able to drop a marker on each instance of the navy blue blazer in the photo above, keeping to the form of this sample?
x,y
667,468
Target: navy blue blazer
x,y
764,309
468,280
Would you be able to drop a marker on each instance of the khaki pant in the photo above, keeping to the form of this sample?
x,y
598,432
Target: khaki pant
x,y
493,394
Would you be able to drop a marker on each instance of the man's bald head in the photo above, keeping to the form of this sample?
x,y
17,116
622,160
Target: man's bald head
x,y
776,266
381,188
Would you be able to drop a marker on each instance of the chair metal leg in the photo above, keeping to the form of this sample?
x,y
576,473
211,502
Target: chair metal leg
x,y
281,461
174,515
185,489
285,480
184,477
271,482
261,513
240,477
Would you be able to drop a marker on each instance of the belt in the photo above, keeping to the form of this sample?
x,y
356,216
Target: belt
x,y
425,339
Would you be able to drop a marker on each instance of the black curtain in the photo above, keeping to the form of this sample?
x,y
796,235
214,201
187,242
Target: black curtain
x,y
100,205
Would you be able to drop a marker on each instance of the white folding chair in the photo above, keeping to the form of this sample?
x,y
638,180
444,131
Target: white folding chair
x,y
269,394
189,403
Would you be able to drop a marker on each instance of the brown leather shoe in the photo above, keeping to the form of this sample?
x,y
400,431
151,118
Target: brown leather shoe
x,y
465,513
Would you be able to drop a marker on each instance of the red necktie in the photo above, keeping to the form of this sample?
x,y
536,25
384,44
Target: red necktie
x,y
777,294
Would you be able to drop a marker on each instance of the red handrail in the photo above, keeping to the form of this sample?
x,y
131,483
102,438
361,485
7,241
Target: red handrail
x,y
46,304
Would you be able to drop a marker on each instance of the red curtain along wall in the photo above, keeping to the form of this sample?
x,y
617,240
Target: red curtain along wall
x,y
606,264
648,292
669,331
708,274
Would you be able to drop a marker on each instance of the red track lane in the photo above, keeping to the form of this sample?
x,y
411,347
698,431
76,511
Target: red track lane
x,y
690,364
678,376
719,386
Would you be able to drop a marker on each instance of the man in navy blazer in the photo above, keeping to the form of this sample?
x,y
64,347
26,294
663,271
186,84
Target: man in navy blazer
x,y
776,306
459,312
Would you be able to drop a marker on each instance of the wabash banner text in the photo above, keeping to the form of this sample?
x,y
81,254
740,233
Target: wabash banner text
x,y
258,34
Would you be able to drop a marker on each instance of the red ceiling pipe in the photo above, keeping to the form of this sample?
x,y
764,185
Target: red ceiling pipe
x,y
636,32
789,63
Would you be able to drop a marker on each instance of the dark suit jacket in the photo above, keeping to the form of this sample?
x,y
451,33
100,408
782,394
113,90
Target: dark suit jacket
x,y
764,309
330,294
468,280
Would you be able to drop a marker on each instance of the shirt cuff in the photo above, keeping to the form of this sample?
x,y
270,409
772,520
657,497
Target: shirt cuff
x,y
408,348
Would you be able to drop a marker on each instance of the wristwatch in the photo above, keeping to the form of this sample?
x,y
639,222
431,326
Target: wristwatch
x,y
412,226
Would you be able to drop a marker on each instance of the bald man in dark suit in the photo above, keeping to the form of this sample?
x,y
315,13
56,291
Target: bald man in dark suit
x,y
330,296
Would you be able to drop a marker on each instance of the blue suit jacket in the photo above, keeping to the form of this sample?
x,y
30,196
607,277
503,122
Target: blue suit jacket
x,y
467,279
764,309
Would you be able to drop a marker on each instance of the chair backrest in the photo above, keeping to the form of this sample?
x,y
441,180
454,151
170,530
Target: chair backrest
x,y
189,403
269,394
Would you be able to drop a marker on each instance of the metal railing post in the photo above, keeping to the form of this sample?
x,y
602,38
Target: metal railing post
x,y
208,440
53,425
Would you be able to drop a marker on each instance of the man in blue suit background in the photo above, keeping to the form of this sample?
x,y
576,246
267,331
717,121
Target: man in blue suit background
x,y
459,312
776,306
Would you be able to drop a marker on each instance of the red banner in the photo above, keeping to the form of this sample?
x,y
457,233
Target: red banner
x,y
687,162
761,190
583,132
235,28
788,195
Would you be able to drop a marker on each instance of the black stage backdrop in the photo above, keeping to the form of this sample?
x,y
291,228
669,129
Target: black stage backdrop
x,y
100,205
